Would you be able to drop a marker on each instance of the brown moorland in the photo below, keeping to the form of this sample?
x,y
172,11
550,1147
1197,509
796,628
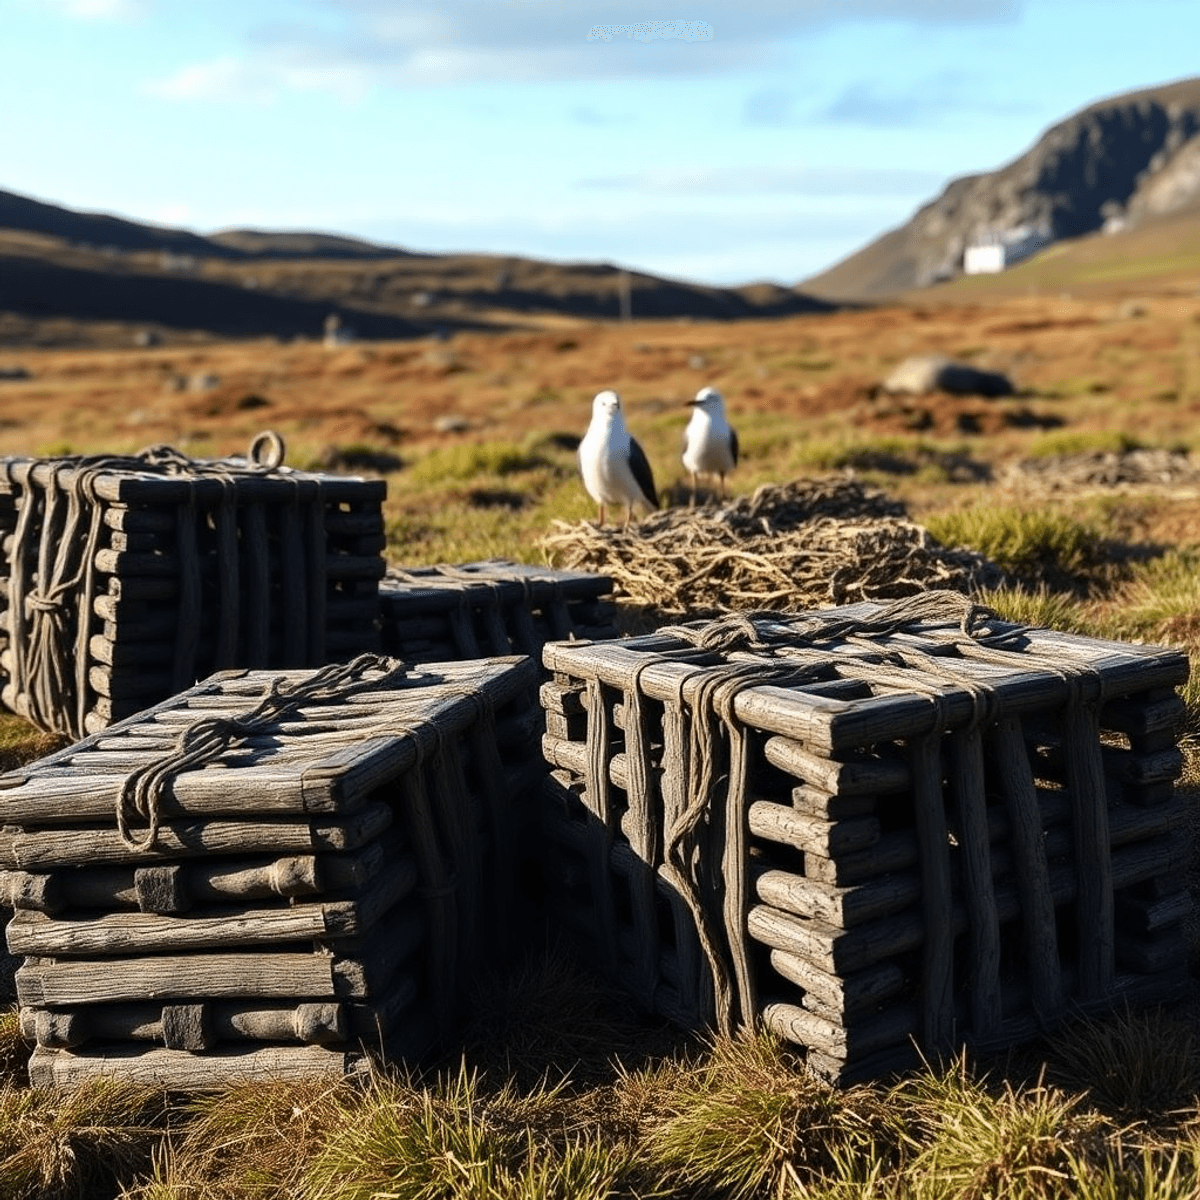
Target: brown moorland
x,y
474,434
450,421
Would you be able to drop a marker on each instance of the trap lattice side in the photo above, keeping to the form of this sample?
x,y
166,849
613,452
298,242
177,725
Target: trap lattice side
x,y
327,879
441,613
125,580
866,831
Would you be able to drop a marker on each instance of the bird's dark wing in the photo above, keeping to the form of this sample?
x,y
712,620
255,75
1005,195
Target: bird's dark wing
x,y
640,466
733,449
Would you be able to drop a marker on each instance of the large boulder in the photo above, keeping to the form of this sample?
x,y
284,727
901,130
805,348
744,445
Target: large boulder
x,y
926,373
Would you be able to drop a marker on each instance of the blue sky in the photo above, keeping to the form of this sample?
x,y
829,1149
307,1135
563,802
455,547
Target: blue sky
x,y
724,143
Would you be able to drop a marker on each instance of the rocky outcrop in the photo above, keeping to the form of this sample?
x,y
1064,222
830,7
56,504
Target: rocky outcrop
x,y
924,373
1121,156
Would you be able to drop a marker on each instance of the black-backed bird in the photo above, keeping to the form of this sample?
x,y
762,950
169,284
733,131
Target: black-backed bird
x,y
613,465
710,445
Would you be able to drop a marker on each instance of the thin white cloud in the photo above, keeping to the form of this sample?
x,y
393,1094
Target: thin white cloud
x,y
412,43
866,103
232,80
791,180
100,10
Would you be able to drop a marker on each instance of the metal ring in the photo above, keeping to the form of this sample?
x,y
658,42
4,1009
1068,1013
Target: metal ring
x,y
267,450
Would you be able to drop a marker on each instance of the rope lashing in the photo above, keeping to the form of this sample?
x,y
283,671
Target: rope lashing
x,y
717,763
719,904
206,739
765,630
53,580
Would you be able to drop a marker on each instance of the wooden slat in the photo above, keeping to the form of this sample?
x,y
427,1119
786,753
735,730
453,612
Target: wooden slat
x,y
1094,906
35,933
1015,778
49,848
967,785
182,1071
937,979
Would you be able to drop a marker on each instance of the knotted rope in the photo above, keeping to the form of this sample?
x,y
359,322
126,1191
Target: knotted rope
x,y
716,771
206,739
53,581
717,755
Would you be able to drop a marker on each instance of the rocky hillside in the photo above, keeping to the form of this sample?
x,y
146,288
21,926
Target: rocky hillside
x,y
69,276
1116,163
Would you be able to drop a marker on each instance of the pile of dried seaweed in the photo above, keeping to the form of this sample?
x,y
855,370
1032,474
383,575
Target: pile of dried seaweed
x,y
1111,468
788,546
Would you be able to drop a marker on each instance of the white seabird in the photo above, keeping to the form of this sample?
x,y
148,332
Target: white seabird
x,y
613,465
710,445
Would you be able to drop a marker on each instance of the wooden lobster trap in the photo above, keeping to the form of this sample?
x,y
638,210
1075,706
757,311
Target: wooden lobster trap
x,y
125,579
270,875
442,613
876,830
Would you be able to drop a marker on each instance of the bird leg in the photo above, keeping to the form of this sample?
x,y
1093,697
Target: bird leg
x,y
628,515
602,515
693,504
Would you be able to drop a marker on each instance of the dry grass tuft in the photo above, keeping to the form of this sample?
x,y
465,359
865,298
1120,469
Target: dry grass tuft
x,y
78,1144
972,1142
789,546
1039,548
250,1142
747,1120
552,1020
454,1138
20,742
14,1050
1131,1063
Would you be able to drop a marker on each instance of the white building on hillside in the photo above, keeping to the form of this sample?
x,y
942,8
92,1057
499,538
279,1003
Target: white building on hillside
x,y
997,251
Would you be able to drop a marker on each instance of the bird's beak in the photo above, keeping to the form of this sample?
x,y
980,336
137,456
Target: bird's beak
x,y
691,404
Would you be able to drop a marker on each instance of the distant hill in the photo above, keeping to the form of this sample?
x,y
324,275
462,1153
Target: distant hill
x,y
60,266
99,229
265,243
1118,163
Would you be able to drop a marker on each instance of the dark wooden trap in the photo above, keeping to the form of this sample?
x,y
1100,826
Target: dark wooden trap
x,y
442,613
270,875
124,580
868,830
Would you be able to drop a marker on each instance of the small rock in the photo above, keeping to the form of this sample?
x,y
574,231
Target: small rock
x,y
204,381
926,373
452,423
445,359
496,498
359,458
1129,310
558,441
697,362
145,337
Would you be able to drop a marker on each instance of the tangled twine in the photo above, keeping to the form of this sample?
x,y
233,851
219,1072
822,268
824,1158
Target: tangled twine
x,y
207,738
1102,469
787,546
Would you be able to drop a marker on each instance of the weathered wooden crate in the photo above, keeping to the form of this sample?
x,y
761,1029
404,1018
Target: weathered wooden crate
x,y
326,879
868,830
442,613
124,580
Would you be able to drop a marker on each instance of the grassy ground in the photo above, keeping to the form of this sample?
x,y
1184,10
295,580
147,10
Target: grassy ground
x,y
595,1104
558,1090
